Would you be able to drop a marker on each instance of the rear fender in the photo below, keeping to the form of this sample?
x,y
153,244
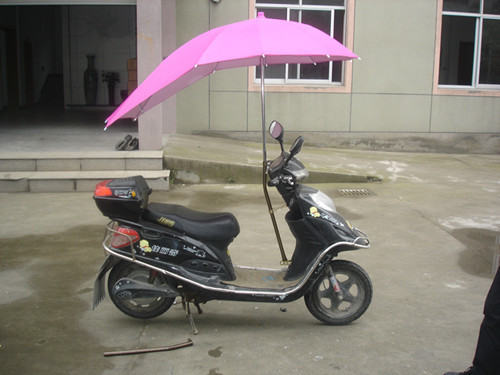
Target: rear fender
x,y
99,284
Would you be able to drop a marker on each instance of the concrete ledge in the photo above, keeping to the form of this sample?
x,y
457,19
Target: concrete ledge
x,y
194,171
189,171
443,143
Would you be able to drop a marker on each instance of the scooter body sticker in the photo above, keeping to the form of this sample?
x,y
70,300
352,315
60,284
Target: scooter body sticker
x,y
313,211
167,222
144,245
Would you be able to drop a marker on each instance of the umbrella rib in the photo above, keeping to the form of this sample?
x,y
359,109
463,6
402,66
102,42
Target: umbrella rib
x,y
141,108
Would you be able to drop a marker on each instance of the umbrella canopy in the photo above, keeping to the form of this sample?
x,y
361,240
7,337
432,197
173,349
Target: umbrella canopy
x,y
260,41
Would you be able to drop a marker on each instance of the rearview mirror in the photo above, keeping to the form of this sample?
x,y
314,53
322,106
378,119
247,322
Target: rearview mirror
x,y
276,130
296,147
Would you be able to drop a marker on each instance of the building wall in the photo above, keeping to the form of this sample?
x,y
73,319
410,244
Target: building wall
x,y
218,102
392,86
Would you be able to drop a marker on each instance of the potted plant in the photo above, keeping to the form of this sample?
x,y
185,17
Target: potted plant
x,y
111,78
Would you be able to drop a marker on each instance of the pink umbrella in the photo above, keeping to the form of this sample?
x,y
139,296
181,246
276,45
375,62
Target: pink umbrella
x,y
260,41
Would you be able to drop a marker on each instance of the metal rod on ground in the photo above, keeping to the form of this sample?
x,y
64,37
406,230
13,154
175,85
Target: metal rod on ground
x,y
189,342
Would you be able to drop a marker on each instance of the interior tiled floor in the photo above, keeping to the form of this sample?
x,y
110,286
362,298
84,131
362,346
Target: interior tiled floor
x,y
57,129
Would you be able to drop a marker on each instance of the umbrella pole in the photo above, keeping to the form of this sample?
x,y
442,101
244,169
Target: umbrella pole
x,y
263,107
284,260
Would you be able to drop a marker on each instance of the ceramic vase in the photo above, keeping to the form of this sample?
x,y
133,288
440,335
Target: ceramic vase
x,y
90,81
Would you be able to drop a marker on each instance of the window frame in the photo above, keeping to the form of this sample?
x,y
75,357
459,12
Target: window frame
x,y
476,89
298,85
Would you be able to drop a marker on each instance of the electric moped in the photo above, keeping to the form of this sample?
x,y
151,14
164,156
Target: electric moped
x,y
157,252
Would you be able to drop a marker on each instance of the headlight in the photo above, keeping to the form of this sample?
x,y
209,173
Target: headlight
x,y
300,174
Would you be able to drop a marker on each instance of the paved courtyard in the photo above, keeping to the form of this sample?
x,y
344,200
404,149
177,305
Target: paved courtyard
x,y
433,223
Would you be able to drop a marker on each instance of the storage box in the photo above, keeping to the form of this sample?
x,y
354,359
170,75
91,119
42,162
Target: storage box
x,y
132,75
131,86
123,198
132,64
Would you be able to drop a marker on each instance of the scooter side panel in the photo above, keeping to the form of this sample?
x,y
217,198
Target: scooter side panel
x,y
171,248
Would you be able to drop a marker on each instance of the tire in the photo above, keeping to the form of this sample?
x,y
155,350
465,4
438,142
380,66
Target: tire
x,y
357,290
141,308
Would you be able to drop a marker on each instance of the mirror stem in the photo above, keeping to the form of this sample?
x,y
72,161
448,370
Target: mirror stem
x,y
284,259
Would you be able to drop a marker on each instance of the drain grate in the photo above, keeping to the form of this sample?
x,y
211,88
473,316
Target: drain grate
x,y
355,192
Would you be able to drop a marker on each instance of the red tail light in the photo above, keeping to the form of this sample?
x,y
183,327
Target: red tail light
x,y
102,189
124,237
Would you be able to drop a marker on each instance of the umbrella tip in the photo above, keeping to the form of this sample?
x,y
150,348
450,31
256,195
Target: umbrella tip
x,y
261,15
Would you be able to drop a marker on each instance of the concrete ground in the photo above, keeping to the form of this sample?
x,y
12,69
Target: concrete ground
x,y
433,223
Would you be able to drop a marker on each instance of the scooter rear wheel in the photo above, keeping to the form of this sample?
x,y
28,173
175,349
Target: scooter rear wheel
x,y
340,309
141,308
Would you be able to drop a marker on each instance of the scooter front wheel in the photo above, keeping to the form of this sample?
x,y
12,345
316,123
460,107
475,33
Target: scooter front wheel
x,y
345,305
141,308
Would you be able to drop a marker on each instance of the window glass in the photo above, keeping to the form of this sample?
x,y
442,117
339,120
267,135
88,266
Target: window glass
x,y
273,71
461,5
457,50
279,13
338,34
277,1
338,25
324,2
490,53
491,6
328,16
470,43
322,21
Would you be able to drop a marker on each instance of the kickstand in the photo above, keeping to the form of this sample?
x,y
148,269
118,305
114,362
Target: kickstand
x,y
187,309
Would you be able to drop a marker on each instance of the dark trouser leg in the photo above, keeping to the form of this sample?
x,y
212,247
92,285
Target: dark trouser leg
x,y
487,358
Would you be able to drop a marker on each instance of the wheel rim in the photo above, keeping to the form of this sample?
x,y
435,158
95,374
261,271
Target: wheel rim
x,y
334,305
143,275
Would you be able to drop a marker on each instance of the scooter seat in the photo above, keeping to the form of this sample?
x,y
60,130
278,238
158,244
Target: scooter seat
x,y
201,225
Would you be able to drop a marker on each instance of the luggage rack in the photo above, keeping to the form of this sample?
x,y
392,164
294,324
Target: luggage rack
x,y
111,233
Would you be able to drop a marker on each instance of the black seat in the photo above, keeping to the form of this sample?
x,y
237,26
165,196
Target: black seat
x,y
212,227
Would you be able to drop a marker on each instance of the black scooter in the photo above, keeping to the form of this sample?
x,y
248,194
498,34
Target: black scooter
x,y
157,252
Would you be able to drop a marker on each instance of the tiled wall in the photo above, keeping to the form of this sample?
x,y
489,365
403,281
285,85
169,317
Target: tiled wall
x,y
109,33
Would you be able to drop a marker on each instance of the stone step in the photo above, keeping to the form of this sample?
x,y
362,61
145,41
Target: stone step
x,y
68,181
81,161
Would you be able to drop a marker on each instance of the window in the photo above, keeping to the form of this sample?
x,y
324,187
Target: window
x,y
470,44
326,15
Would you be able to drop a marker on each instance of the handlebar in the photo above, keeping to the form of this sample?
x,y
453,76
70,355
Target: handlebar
x,y
281,179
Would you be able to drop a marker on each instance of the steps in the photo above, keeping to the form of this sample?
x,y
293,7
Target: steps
x,y
78,171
